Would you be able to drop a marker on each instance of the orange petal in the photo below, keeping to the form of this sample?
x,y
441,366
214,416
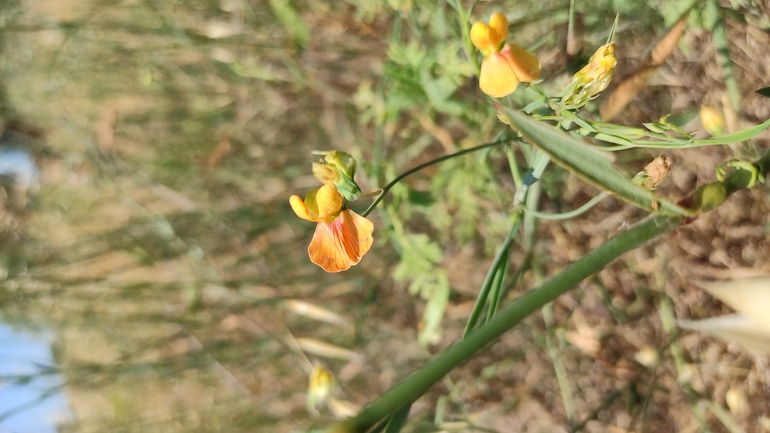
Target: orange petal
x,y
299,208
329,201
497,77
340,244
524,64
499,23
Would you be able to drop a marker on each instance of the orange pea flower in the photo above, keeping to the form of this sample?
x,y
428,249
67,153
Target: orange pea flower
x,y
505,65
342,237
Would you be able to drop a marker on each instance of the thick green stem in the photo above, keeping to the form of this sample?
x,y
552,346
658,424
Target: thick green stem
x,y
419,382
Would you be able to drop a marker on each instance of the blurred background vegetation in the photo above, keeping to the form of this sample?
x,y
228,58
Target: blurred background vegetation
x,y
160,249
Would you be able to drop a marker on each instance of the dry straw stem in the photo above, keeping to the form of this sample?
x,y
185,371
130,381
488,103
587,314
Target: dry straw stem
x,y
628,88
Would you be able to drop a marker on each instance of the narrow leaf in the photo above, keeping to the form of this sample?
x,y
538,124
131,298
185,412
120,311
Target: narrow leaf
x,y
591,164
764,92
398,419
735,137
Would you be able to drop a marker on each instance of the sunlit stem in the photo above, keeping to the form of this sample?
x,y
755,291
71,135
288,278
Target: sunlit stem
x,y
400,177
420,381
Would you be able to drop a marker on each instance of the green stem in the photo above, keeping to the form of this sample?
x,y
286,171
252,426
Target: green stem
x,y
571,214
444,362
398,178
719,36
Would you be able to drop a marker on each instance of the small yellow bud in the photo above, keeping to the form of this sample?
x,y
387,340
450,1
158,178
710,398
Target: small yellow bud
x,y
320,387
713,121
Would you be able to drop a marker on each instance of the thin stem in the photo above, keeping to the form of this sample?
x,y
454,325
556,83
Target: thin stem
x,y
567,215
444,362
398,178
719,36
465,30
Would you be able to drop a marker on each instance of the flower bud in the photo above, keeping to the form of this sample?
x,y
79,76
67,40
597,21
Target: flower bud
x,y
340,168
588,82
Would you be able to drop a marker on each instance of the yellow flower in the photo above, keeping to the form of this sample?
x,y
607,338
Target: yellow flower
x,y
505,65
342,237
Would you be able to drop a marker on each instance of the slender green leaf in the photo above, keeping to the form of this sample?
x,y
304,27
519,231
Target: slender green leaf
x,y
589,163
735,137
765,91
663,142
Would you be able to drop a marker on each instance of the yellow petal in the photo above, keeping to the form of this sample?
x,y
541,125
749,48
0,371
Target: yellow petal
x,y
299,208
480,37
524,64
499,23
497,77
341,243
329,201
324,172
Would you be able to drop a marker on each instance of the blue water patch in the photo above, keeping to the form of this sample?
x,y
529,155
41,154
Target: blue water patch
x,y
31,398
19,166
